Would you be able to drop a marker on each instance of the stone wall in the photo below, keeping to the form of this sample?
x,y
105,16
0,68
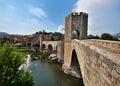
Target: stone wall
x,y
112,45
99,66
52,43
60,51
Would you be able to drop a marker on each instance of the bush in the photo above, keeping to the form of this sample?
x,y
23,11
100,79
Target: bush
x,y
93,37
106,36
10,61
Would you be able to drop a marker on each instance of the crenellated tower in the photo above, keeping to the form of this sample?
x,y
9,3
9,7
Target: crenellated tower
x,y
75,28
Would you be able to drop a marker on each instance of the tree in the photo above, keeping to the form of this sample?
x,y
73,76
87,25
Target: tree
x,y
40,32
115,39
10,61
93,37
106,36
97,37
58,35
36,33
44,32
90,37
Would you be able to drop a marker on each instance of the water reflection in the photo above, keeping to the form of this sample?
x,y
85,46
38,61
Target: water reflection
x,y
49,74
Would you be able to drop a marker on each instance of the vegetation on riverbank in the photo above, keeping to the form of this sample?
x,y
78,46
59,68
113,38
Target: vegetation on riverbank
x,y
35,55
10,61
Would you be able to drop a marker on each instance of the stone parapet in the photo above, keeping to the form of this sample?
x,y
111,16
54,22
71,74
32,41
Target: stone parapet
x,y
112,45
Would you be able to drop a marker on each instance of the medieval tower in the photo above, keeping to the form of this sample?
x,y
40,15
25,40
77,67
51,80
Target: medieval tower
x,y
75,28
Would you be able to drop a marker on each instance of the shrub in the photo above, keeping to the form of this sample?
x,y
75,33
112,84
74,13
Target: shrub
x,y
10,61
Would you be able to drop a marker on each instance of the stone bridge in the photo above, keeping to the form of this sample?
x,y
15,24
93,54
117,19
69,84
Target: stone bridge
x,y
54,47
98,61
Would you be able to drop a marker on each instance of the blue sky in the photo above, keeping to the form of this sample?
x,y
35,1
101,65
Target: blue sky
x,y
29,16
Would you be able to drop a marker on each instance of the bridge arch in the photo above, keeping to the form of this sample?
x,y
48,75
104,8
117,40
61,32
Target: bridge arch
x,y
50,49
50,46
75,64
43,47
74,59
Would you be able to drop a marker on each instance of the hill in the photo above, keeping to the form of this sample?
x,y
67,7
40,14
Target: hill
x,y
117,35
3,33
6,34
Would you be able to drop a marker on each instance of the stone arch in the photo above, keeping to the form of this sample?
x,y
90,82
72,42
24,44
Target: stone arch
x,y
75,64
75,34
43,47
50,49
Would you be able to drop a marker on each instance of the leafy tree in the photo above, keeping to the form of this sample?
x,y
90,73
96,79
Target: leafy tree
x,y
90,37
115,39
58,34
97,37
10,61
36,33
44,31
93,37
106,36
40,32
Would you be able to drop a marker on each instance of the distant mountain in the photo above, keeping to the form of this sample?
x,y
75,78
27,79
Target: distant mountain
x,y
3,33
15,34
117,35
6,34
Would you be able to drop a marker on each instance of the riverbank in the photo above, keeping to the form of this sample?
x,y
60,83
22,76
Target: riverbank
x,y
52,58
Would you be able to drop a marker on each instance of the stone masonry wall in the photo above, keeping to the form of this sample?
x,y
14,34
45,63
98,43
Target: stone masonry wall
x,y
52,43
60,51
99,67
112,45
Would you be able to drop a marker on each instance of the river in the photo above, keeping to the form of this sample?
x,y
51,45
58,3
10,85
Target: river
x,y
50,74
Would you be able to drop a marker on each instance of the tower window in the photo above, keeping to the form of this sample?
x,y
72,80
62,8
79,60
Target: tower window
x,y
75,34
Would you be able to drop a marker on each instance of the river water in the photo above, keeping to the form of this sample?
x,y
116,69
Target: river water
x,y
50,74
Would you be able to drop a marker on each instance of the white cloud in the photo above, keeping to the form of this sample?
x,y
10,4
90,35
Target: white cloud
x,y
41,24
34,21
39,12
100,14
11,7
91,5
61,29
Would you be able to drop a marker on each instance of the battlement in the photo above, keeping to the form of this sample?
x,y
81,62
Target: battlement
x,y
79,13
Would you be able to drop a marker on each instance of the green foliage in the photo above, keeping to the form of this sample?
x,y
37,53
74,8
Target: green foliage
x,y
36,33
106,36
41,32
115,39
57,34
93,37
24,79
10,61
90,37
